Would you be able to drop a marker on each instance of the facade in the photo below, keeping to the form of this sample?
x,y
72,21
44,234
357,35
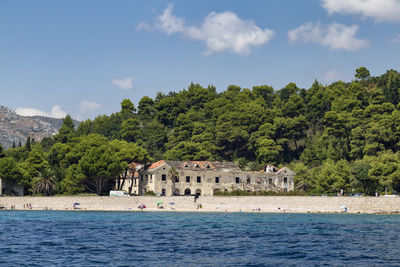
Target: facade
x,y
205,178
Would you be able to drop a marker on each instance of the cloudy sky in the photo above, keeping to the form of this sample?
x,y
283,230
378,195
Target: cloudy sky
x,y
84,57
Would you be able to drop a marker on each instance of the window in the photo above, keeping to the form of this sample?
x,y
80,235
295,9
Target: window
x,y
163,192
151,178
285,180
163,177
270,180
141,177
176,179
187,166
237,180
187,179
196,165
207,166
198,179
248,180
217,180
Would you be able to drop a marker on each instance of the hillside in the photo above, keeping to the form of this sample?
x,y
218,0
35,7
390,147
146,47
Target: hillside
x,y
16,128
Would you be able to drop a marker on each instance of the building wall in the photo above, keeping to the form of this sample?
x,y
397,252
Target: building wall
x,y
214,204
151,180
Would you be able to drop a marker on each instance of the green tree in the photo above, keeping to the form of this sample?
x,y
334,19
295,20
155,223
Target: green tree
x,y
2,154
45,183
28,144
66,131
11,173
100,165
130,130
360,171
127,108
362,73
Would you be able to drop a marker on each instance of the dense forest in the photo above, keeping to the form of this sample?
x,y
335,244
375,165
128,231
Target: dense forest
x,y
337,136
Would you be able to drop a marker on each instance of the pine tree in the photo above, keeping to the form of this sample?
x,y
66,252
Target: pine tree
x,y
28,144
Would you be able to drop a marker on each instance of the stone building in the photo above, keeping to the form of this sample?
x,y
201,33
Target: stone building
x,y
205,178
10,189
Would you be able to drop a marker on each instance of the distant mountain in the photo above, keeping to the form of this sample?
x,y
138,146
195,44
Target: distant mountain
x,y
15,128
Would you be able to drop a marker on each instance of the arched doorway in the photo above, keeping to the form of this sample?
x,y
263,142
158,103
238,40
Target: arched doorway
x,y
177,192
198,192
187,192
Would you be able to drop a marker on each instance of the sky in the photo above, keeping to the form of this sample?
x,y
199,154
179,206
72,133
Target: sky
x,y
83,57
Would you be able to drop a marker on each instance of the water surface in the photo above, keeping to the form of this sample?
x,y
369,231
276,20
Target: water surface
x,y
42,238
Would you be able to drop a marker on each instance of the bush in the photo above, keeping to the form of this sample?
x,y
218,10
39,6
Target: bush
x,y
150,193
260,193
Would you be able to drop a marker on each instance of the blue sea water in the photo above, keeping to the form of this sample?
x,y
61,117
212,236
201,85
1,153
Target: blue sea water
x,y
68,238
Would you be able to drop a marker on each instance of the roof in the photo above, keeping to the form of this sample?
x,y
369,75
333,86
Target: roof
x,y
197,165
156,164
271,168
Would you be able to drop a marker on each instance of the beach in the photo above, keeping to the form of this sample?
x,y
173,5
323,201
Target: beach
x,y
283,204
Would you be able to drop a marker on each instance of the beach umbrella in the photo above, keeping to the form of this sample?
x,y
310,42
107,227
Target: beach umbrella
x,y
172,203
159,202
76,203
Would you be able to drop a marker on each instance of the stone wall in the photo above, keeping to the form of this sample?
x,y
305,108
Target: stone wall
x,y
249,181
212,204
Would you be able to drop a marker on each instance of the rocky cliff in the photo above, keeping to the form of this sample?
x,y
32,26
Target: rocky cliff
x,y
15,128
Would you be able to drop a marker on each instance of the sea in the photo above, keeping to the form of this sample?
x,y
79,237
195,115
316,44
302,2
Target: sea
x,y
75,238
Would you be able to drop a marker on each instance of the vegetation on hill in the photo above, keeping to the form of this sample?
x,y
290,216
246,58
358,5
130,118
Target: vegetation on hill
x,y
337,136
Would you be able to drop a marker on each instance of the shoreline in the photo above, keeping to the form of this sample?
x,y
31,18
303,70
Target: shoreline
x,y
252,204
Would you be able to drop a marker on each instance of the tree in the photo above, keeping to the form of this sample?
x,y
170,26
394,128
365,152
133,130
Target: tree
x,y
268,151
392,87
127,108
100,165
146,107
2,155
360,171
172,176
362,73
130,130
28,144
10,172
66,131
45,183
128,153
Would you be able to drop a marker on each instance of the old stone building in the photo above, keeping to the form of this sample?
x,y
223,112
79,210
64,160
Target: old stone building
x,y
205,178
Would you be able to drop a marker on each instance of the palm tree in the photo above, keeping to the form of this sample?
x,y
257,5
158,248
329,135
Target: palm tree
x,y
172,174
45,183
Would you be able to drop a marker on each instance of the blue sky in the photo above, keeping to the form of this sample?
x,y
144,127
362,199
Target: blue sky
x,y
84,57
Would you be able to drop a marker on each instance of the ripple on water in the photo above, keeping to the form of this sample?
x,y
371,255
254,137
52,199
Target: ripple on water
x,y
204,239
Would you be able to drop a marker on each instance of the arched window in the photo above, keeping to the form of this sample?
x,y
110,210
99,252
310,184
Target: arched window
x,y
198,192
187,192
177,192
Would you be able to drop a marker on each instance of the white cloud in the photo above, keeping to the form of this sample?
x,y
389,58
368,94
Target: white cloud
x,y
221,31
125,84
56,112
170,23
380,10
332,76
144,26
226,31
335,35
89,106
396,39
